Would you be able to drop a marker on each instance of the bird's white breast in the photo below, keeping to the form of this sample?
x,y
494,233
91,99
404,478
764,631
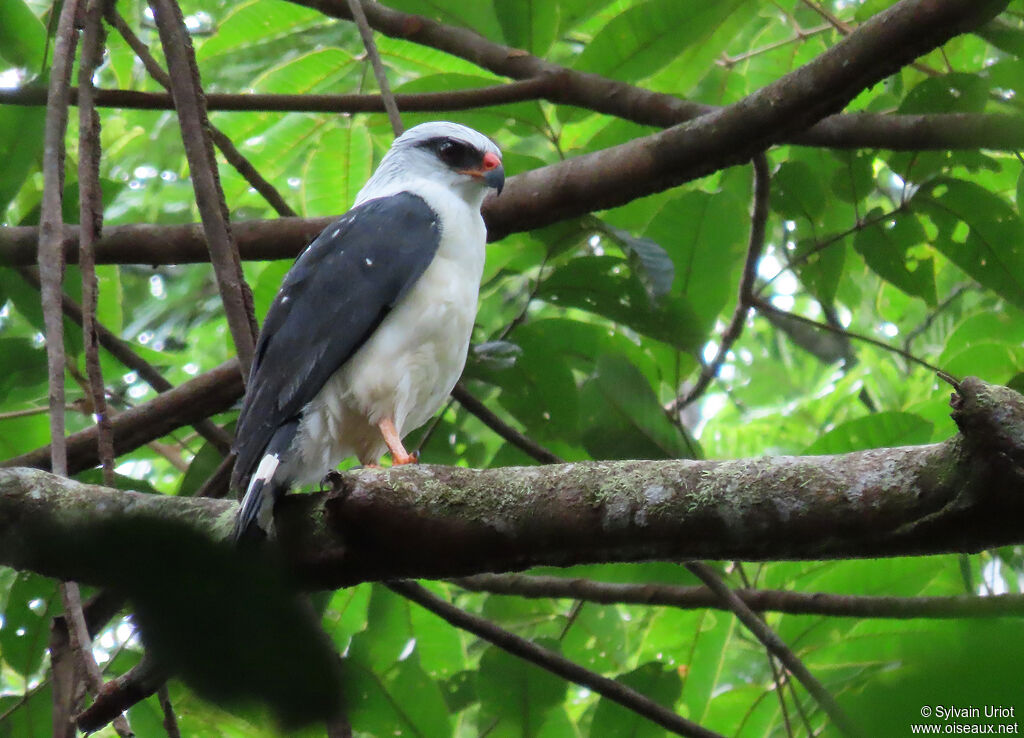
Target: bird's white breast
x,y
410,364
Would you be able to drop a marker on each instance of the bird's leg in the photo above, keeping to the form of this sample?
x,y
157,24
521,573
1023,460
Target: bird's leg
x,y
398,453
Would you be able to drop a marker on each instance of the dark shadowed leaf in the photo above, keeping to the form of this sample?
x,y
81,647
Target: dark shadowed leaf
x,y
516,694
885,247
622,418
654,680
655,266
979,232
25,634
606,285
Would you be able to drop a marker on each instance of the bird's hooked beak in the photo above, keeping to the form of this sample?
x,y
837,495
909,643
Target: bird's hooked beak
x,y
491,171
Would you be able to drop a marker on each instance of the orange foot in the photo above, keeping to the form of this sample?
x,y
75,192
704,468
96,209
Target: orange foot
x,y
399,455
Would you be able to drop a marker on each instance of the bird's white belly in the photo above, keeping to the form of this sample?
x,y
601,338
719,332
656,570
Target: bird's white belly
x,y
404,371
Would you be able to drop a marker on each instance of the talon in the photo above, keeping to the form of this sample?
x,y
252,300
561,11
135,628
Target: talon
x,y
330,480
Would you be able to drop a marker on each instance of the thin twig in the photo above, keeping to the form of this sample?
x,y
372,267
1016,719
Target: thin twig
x,y
533,88
190,104
774,644
778,678
91,219
170,719
234,157
765,306
356,8
550,661
81,646
503,429
755,245
787,601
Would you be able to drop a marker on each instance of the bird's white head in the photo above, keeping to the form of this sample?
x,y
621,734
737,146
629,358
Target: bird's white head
x,y
450,155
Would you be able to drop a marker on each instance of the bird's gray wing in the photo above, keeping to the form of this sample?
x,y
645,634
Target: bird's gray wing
x,y
330,302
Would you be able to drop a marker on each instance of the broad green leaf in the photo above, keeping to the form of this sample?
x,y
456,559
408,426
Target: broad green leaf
x,y
539,388
994,361
517,694
605,285
706,236
956,664
950,93
979,232
22,364
622,418
797,191
885,246
880,430
641,40
21,146
31,602
655,267
403,699
855,179
31,719
321,70
986,327
478,16
652,680
528,24
253,22
337,168
22,36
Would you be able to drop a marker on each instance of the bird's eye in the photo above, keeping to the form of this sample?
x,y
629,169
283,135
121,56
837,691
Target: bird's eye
x,y
456,154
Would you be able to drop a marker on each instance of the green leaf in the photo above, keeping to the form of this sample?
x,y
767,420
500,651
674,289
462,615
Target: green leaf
x,y
655,267
22,37
797,191
21,146
950,93
979,232
31,603
22,364
251,23
855,180
644,38
539,388
32,718
605,285
337,167
885,246
880,430
528,24
706,236
653,680
622,418
517,694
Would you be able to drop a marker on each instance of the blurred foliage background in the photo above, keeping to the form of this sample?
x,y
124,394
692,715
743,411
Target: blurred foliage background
x,y
587,334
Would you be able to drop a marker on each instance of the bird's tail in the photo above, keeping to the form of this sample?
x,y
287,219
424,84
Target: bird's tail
x,y
255,519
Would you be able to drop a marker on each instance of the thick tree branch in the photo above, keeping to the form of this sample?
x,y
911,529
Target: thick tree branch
x,y
965,494
759,600
208,394
617,175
